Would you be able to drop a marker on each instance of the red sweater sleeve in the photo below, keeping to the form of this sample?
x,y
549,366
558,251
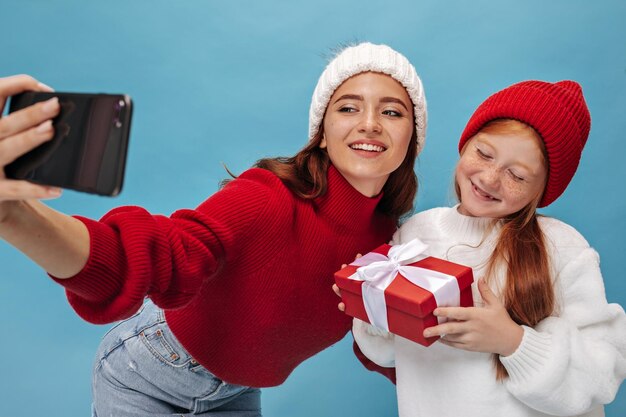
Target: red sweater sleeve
x,y
134,254
389,373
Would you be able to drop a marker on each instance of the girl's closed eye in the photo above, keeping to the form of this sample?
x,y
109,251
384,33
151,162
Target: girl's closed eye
x,y
483,154
516,176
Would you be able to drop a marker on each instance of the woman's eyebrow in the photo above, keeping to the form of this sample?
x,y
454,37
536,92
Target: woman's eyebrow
x,y
350,97
393,100
382,100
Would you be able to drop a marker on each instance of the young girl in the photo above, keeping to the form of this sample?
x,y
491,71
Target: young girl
x,y
238,286
541,339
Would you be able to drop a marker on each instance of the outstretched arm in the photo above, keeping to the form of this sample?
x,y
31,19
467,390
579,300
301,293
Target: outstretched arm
x,y
55,241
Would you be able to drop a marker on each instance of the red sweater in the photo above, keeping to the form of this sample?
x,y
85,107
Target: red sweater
x,y
245,278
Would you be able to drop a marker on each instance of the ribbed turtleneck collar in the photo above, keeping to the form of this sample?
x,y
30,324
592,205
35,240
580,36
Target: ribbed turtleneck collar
x,y
343,204
468,229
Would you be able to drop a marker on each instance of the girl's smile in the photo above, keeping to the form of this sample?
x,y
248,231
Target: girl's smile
x,y
482,194
502,169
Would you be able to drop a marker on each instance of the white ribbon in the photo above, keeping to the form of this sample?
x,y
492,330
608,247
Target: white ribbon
x,y
377,271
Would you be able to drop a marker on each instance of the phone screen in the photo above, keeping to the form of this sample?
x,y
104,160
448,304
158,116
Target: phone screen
x,y
88,151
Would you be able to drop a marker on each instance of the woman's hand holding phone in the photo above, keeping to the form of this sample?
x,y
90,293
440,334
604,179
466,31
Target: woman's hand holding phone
x,y
57,242
21,132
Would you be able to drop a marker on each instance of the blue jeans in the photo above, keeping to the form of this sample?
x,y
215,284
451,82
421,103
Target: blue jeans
x,y
142,370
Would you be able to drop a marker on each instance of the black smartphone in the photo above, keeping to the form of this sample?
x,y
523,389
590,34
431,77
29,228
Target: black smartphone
x,y
88,150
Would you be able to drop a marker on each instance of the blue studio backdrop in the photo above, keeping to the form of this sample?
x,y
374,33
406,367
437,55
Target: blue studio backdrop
x,y
230,82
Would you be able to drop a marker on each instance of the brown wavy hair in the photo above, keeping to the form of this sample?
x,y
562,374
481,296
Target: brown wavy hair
x,y
528,294
305,175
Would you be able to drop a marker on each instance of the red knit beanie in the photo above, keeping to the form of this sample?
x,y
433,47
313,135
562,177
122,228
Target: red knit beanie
x,y
559,114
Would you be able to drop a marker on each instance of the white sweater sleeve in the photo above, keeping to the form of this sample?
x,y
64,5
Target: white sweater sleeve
x,y
573,362
377,344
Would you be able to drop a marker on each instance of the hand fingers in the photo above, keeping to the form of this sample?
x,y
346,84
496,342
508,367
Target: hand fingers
x,y
448,328
18,83
447,340
454,313
29,117
24,190
13,147
341,306
488,296
336,290
358,255
434,331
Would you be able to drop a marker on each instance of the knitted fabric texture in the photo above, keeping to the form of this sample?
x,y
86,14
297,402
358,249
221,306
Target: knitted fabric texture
x,y
221,272
559,114
366,57
551,373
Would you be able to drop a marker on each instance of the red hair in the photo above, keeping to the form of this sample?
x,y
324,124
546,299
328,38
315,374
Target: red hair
x,y
528,293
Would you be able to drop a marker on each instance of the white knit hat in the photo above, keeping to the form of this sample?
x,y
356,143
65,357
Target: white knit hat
x,y
362,58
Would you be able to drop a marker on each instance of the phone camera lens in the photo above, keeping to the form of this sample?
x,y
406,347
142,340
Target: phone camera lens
x,y
118,106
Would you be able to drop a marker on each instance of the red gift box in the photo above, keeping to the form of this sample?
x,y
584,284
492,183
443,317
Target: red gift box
x,y
409,307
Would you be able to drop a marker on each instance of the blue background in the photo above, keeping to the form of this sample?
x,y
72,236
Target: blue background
x,y
230,82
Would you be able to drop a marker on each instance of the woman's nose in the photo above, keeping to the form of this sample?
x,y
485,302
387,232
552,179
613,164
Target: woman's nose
x,y
370,123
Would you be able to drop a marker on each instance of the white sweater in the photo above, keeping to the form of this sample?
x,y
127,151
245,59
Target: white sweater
x,y
568,365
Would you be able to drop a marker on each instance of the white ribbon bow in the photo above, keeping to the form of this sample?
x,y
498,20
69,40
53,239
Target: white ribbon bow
x,y
378,271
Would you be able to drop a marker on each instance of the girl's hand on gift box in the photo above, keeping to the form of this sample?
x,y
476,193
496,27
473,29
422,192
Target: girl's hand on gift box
x,y
480,329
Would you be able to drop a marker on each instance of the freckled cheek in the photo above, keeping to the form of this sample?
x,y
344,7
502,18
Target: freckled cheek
x,y
517,192
469,164
515,189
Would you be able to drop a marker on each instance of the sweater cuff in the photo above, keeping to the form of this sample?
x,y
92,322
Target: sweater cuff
x,y
377,344
530,358
90,284
99,293
371,330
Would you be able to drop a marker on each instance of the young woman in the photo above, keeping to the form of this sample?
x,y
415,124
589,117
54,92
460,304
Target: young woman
x,y
238,287
541,339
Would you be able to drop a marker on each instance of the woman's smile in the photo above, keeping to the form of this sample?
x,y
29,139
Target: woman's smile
x,y
367,129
